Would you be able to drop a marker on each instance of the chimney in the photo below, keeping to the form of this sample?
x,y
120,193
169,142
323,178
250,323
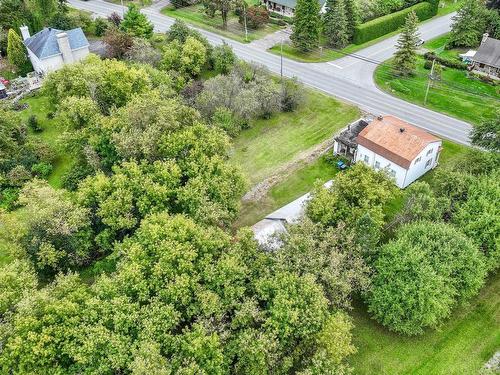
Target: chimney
x,y
401,130
65,48
485,36
25,32
380,117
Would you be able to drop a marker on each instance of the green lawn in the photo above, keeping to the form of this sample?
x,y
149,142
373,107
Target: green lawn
x,y
39,106
195,15
461,347
269,144
298,183
328,54
457,95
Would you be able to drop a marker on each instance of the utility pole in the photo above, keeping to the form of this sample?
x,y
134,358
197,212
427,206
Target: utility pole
x,y
245,20
431,77
123,9
281,64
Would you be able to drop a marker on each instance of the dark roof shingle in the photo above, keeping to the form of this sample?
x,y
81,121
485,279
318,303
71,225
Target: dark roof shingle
x,y
489,53
44,43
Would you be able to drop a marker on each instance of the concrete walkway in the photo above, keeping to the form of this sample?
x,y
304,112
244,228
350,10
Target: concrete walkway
x,y
272,39
158,5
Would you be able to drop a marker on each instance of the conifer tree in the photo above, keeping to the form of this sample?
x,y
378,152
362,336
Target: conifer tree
x,y
15,49
405,59
335,24
306,25
136,23
468,25
352,14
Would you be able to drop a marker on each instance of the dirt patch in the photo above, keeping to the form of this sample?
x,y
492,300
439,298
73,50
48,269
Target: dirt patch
x,y
259,190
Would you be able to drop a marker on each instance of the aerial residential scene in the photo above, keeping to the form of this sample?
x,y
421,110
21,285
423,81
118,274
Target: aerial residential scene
x,y
271,187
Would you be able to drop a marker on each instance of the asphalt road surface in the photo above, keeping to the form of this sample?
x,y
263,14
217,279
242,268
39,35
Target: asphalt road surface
x,y
348,78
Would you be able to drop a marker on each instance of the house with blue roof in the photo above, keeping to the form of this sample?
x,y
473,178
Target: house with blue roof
x,y
50,49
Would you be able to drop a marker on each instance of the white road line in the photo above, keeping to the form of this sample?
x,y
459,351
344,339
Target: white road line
x,y
335,65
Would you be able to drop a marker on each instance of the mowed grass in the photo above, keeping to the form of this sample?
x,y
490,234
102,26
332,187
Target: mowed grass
x,y
271,143
457,95
196,16
300,182
326,53
40,106
460,347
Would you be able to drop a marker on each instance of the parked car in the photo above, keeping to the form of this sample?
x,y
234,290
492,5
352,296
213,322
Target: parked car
x,y
419,42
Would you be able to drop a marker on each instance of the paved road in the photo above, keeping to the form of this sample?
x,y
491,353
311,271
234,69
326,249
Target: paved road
x,y
347,78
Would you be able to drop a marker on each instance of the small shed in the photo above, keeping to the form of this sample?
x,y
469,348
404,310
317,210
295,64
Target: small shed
x,y
345,143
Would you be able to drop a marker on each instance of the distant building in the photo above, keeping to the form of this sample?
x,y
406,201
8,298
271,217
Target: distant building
x,y
50,49
486,60
286,7
403,150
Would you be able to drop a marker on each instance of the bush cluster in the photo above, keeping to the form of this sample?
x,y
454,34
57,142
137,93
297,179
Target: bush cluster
x,y
455,64
391,22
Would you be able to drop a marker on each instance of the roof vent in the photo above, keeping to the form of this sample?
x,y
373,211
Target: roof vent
x,y
401,130
380,117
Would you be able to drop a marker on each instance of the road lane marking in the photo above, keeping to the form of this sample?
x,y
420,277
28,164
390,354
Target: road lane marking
x,y
335,65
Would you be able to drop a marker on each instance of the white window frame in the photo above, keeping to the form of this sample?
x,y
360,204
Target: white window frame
x,y
428,163
418,159
377,165
366,158
429,152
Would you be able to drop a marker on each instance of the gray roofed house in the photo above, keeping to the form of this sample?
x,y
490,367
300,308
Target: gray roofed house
x,y
50,49
486,61
286,7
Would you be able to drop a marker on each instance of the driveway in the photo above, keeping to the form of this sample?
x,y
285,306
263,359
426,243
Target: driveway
x,y
349,80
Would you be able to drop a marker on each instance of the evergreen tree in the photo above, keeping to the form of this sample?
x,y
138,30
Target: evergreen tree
x,y
405,59
305,34
335,24
136,23
15,49
468,25
352,14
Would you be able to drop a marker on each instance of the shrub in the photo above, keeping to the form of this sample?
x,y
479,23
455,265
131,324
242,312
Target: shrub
x,y
444,61
101,25
33,124
223,58
42,170
8,198
391,22
292,95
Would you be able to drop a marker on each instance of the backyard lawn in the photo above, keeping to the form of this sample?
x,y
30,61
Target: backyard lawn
x,y
298,183
456,94
328,54
39,106
196,16
271,144
460,347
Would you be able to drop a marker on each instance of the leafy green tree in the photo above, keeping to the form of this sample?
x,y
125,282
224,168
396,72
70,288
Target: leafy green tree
x,y
468,24
487,134
136,23
223,7
16,51
193,56
405,58
306,25
330,254
421,275
178,31
224,58
18,279
335,24
479,216
57,235
355,193
78,113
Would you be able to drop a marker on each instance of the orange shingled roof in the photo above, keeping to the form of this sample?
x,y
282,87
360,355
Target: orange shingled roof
x,y
384,137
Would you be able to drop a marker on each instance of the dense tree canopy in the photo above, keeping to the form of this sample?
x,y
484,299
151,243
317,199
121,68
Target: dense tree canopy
x,y
184,297
422,274
306,25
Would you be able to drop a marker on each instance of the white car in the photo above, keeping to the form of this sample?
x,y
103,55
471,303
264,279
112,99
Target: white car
x,y
419,42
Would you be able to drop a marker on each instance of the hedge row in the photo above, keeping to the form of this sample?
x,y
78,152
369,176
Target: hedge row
x,y
386,24
429,56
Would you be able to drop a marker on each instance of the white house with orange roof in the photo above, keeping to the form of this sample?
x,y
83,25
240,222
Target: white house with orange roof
x,y
388,143
405,151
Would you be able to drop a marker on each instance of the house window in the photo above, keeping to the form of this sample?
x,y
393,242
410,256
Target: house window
x,y
377,165
428,163
366,159
418,159
392,173
430,151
